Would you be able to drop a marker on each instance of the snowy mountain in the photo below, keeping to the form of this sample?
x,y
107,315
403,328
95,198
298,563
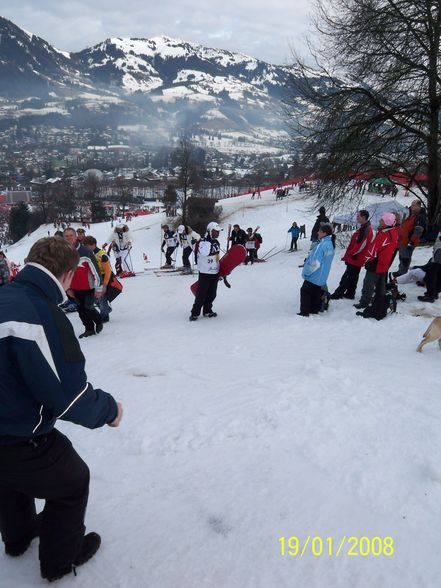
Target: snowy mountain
x,y
165,83
30,66
161,63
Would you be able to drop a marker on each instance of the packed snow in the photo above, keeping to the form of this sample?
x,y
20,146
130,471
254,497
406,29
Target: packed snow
x,y
256,425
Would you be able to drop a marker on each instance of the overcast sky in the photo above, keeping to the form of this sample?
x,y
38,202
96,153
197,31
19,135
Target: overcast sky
x,y
265,29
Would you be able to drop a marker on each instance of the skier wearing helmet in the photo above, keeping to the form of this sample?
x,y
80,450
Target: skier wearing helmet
x,y
208,266
186,238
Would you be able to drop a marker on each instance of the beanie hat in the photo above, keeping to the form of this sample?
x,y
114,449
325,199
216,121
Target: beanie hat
x,y
388,218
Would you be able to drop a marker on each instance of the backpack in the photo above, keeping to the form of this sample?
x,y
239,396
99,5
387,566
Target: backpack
x,y
258,237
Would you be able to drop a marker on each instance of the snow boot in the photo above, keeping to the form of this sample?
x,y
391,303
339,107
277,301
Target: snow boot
x,y
426,298
87,333
193,318
360,305
17,548
91,544
210,314
99,327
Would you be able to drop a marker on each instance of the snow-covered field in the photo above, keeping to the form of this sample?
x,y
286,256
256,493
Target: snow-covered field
x,y
257,425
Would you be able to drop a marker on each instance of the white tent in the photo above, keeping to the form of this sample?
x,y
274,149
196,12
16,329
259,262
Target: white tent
x,y
375,212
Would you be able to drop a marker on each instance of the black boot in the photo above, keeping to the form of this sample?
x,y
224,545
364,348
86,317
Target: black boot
x,y
16,548
87,333
91,544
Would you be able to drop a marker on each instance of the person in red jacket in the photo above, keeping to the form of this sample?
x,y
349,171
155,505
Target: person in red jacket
x,y
378,257
354,257
86,286
409,235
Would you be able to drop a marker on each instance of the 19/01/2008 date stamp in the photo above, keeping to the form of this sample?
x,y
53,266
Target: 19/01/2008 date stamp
x,y
328,546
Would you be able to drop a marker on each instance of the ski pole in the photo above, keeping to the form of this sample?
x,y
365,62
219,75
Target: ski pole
x,y
276,253
130,259
268,252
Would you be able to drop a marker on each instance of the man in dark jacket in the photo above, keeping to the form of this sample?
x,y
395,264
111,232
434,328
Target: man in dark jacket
x,y
433,274
42,379
238,236
321,219
354,257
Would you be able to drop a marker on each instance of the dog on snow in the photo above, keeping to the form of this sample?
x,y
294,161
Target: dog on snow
x,y
432,334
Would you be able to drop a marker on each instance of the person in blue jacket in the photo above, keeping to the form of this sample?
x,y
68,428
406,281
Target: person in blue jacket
x,y
42,379
316,271
295,232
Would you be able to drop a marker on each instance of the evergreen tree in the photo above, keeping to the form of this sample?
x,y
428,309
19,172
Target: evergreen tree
x,y
19,221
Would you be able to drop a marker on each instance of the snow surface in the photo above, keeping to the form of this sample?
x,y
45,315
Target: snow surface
x,y
256,425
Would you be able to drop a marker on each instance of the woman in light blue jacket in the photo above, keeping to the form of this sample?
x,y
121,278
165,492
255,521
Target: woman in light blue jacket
x,y
316,271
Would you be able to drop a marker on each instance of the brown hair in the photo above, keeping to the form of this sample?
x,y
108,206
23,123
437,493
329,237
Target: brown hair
x,y
89,240
55,254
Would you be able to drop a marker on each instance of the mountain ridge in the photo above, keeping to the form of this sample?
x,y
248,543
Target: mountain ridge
x,y
163,82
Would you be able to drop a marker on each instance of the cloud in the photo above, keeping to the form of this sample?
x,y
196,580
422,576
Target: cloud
x,y
261,28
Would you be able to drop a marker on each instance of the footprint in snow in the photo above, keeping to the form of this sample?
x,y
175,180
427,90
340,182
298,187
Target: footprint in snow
x,y
218,526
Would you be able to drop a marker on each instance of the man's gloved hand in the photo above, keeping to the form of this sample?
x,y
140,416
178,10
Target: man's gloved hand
x,y
354,256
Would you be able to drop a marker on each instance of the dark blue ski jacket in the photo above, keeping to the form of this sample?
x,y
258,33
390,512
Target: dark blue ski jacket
x,y
42,375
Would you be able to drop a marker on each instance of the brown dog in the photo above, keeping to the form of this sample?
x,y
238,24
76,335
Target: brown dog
x,y
432,334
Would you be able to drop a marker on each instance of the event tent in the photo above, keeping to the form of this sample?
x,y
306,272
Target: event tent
x,y
375,212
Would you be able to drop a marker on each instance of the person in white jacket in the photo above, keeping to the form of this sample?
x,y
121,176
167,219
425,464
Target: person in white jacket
x,y
208,265
186,238
121,242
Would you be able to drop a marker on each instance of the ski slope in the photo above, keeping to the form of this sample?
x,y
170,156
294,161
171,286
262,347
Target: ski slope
x,y
256,425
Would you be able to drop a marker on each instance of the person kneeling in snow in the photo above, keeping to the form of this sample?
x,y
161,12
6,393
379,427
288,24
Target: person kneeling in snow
x,y
316,271
42,379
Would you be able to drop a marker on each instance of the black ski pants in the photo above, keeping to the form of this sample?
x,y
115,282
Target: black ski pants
x,y
433,279
310,298
207,290
48,468
252,255
168,255
86,309
186,256
348,282
294,243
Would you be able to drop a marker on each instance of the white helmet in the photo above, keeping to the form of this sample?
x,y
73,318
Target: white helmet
x,y
181,229
213,227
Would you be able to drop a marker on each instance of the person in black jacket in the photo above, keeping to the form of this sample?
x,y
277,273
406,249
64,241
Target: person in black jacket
x,y
42,379
321,218
238,236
